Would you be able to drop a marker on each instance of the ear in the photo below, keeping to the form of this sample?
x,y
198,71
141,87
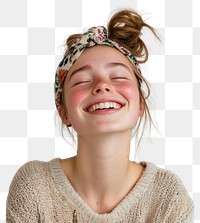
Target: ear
x,y
64,116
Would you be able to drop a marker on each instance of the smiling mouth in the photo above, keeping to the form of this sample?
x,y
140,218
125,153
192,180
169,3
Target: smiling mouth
x,y
103,106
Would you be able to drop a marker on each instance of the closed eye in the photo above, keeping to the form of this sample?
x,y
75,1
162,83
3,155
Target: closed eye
x,y
120,78
80,83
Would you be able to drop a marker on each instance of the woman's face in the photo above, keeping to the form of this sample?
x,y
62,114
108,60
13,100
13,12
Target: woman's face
x,y
101,93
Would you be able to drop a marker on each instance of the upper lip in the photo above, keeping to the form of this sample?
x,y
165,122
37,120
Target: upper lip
x,y
93,102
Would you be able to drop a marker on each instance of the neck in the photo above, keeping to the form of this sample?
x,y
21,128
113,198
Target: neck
x,y
102,167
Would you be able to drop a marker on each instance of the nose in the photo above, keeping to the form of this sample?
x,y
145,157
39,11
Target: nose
x,y
101,87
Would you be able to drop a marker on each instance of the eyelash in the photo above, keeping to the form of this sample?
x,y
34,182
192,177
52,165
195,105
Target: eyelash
x,y
80,82
120,78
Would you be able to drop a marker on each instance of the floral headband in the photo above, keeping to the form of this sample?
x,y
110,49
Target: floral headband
x,y
94,36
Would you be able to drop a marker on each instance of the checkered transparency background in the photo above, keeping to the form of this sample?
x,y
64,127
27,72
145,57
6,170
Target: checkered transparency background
x,y
32,35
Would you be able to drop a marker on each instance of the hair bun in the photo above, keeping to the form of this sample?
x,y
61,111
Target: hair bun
x,y
125,28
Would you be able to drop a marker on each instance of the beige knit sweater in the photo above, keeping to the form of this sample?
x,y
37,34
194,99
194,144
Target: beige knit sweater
x,y
40,192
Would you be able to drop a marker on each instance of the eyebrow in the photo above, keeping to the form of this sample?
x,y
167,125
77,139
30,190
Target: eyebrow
x,y
83,68
115,64
108,65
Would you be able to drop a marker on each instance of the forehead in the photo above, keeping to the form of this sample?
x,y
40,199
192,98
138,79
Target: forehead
x,y
100,55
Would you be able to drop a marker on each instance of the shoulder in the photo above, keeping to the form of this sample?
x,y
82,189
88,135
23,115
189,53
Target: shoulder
x,y
162,176
30,178
24,192
170,192
31,171
33,166
166,180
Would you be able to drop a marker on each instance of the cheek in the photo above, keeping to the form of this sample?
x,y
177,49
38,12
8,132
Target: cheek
x,y
131,92
74,98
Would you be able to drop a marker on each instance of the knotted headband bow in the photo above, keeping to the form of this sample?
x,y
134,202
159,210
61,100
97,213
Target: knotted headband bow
x,y
94,36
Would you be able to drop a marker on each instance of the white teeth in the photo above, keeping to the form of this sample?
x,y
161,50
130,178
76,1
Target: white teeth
x,y
104,105
107,104
101,106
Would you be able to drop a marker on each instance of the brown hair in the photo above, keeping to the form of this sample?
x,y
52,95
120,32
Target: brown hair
x,y
124,27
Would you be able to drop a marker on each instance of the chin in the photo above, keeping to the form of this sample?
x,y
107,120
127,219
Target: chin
x,y
109,130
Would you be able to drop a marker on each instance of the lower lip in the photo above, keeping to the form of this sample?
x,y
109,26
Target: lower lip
x,y
105,111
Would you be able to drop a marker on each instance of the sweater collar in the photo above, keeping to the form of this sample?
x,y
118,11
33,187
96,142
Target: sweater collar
x,y
120,211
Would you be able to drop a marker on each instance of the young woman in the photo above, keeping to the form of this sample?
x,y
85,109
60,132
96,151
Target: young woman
x,y
98,91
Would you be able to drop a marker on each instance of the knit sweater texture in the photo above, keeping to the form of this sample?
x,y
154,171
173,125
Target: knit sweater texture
x,y
40,192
